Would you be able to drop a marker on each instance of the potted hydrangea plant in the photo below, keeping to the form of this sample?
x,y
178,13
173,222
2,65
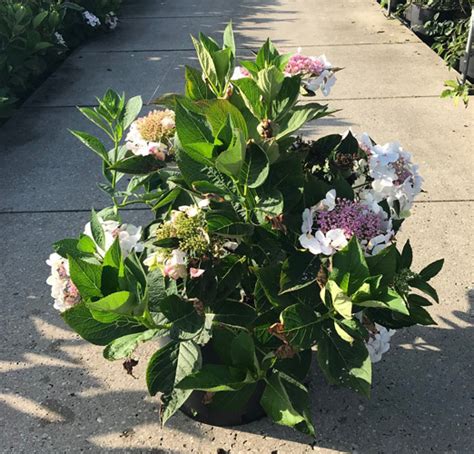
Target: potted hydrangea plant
x,y
264,251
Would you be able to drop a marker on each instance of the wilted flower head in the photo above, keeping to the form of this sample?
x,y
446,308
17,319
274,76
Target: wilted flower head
x,y
111,20
63,291
91,19
152,134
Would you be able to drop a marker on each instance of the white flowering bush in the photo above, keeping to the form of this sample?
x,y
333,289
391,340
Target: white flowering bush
x,y
263,250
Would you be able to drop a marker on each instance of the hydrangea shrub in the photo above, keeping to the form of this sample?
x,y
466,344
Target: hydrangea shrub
x,y
262,248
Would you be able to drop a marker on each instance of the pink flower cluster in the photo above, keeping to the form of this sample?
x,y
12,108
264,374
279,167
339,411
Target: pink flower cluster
x,y
304,65
353,218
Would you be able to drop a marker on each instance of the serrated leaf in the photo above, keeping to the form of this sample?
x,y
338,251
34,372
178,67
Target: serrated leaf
x,y
430,271
91,142
86,277
344,364
124,346
138,165
98,234
132,109
301,325
255,168
80,319
216,377
167,367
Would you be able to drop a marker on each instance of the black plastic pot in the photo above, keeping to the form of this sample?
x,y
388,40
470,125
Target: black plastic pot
x,y
197,408
200,407
470,69
418,16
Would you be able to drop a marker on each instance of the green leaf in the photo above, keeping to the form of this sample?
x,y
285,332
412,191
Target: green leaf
x,y
255,168
124,346
113,270
86,277
243,353
92,143
340,301
68,247
270,80
390,299
266,55
97,230
206,62
39,18
430,271
277,403
186,321
194,136
384,263
349,267
237,400
269,278
287,96
344,364
231,160
251,96
269,203
195,87
86,244
299,270
120,302
229,38
299,116
216,377
426,288
138,165
221,223
217,113
132,109
167,367
235,314
301,325
223,64
80,319
407,255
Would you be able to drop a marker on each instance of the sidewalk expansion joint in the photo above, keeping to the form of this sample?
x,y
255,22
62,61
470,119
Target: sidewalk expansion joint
x,y
286,46
85,210
70,106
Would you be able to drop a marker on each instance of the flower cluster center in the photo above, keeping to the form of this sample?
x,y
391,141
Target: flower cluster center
x,y
354,218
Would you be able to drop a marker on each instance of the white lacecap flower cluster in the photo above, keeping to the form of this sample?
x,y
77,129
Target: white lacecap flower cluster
x,y
60,39
111,20
395,178
63,291
91,19
379,342
341,228
141,146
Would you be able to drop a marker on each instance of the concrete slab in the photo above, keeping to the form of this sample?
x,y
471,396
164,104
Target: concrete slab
x,y
44,167
84,76
438,134
292,28
60,395
378,73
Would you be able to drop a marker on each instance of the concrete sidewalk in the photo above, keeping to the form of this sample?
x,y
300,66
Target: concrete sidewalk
x,y
60,396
